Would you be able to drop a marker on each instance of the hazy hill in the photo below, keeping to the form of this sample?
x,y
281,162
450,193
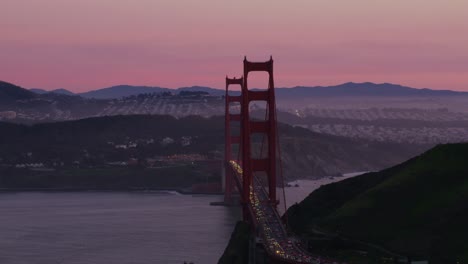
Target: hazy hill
x,y
403,119
212,91
57,91
418,208
361,89
38,90
9,93
53,106
298,92
122,91
305,154
62,91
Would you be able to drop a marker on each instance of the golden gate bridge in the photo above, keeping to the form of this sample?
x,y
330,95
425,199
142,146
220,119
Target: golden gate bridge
x,y
255,175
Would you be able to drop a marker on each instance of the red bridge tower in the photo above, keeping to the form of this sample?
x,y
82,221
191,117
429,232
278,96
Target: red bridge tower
x,y
229,139
266,127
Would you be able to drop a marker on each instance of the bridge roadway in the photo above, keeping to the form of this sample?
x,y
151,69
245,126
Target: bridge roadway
x,y
270,226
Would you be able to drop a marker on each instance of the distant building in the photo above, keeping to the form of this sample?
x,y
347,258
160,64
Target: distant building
x,y
167,141
132,162
117,163
8,115
29,165
186,141
186,157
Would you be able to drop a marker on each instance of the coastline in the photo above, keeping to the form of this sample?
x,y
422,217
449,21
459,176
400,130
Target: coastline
x,y
182,191
140,190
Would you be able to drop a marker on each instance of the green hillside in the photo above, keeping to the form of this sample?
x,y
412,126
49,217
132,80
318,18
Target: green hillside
x,y
417,209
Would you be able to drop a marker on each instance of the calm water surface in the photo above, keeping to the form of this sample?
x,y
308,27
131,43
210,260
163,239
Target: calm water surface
x,y
112,228
120,228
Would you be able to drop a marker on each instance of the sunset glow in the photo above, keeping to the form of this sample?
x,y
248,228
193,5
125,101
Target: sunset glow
x,y
89,44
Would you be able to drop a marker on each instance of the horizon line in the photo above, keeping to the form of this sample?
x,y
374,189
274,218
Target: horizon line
x,y
222,89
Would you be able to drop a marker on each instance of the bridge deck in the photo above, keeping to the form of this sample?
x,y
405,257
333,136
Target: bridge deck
x,y
270,227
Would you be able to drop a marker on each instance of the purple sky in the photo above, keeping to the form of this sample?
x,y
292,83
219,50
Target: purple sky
x,y
88,44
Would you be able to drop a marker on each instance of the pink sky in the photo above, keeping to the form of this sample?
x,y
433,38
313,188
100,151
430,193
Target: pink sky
x,y
89,44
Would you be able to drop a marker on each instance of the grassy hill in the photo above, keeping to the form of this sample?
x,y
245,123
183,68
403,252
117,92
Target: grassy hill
x,y
417,209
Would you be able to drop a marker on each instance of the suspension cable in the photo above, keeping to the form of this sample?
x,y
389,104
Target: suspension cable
x,y
264,137
280,161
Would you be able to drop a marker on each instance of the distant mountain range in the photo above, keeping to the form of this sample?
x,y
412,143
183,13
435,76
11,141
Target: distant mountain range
x,y
346,89
362,89
337,102
119,91
21,105
57,91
